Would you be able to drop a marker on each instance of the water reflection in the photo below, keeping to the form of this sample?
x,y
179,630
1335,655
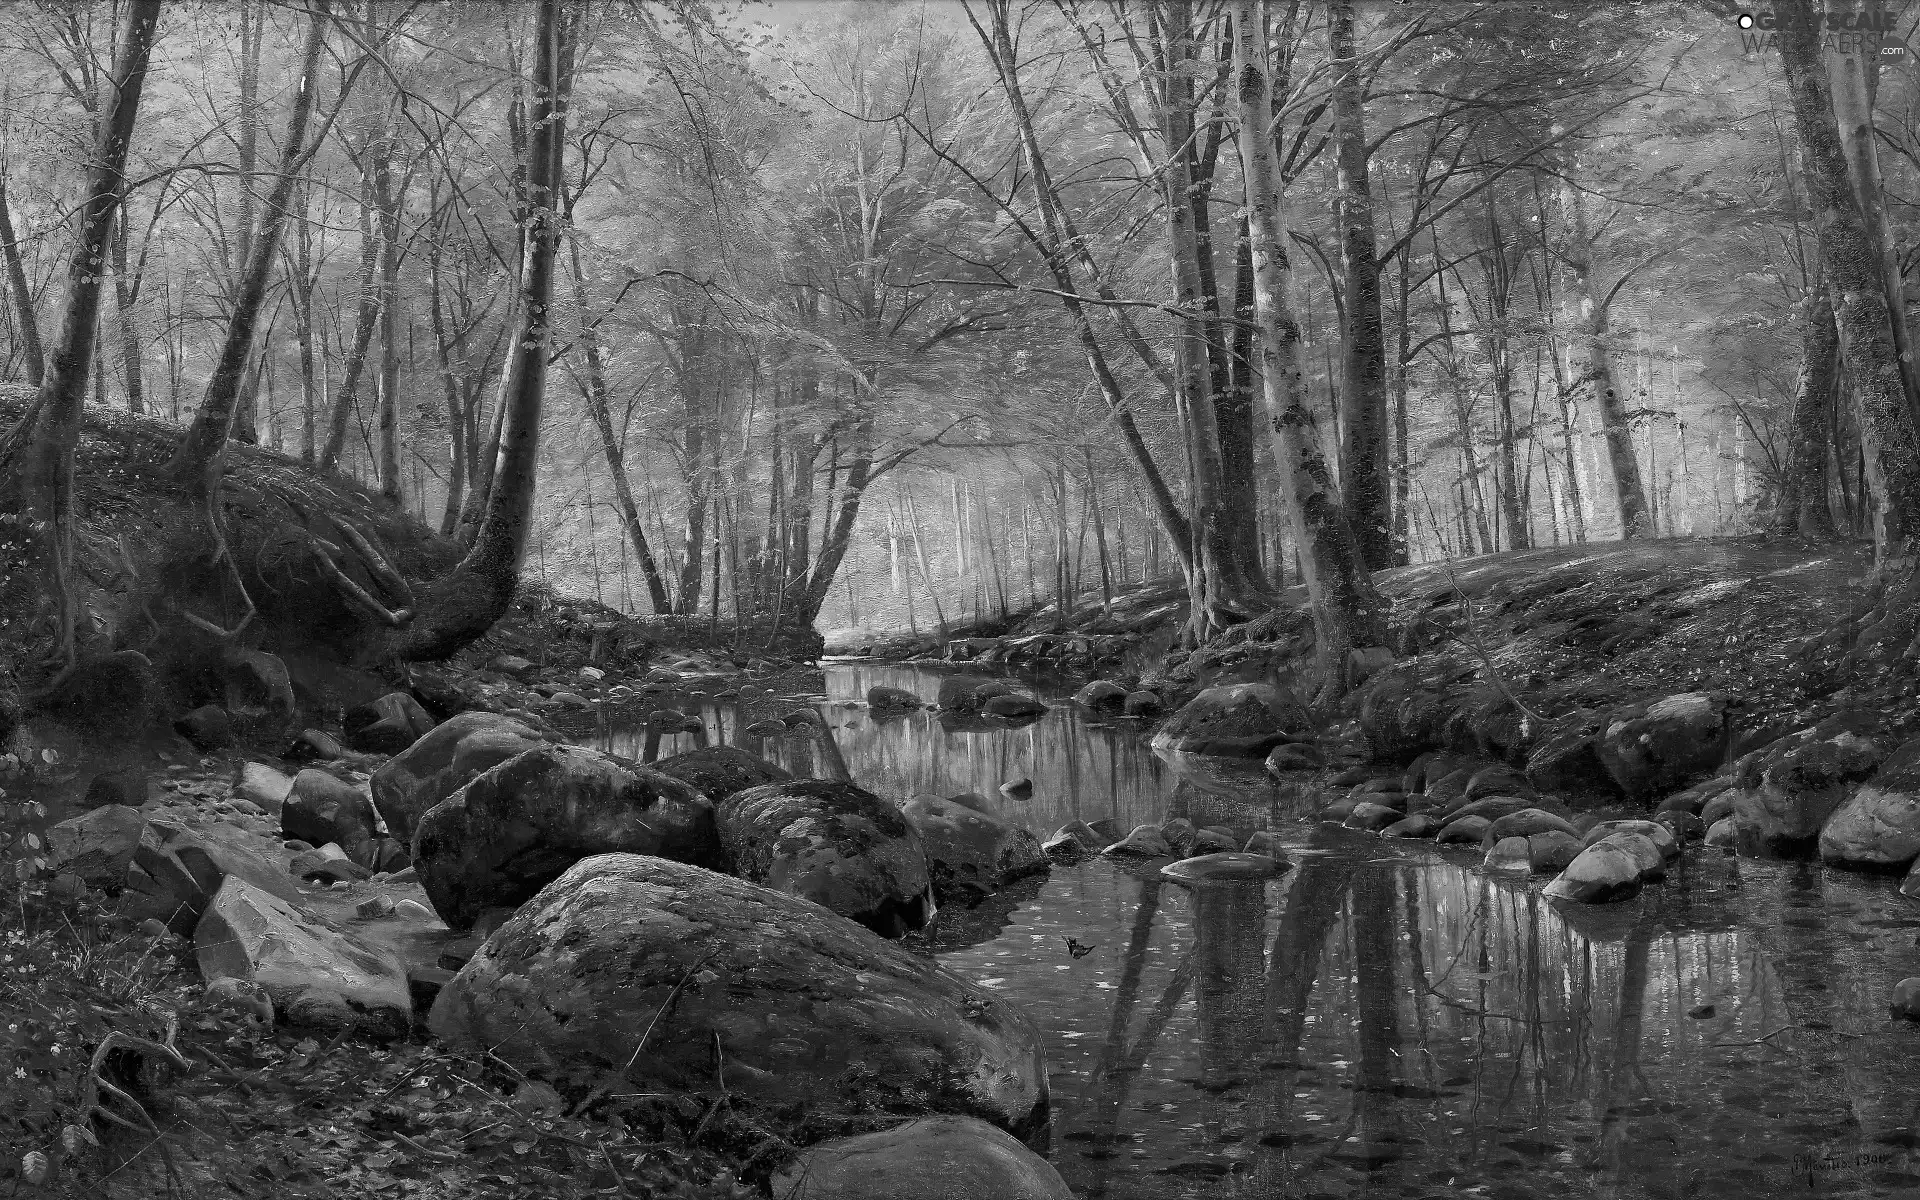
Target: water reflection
x,y
1385,1021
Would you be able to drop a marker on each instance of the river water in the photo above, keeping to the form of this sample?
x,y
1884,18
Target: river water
x,y
1384,1020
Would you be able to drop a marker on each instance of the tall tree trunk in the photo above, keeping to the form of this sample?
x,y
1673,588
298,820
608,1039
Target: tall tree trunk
x,y
300,285
466,603
1855,272
42,485
388,198
1365,454
596,396
126,293
200,459
27,322
1239,485
347,395
699,481
1630,492
1346,609
1216,595
1803,490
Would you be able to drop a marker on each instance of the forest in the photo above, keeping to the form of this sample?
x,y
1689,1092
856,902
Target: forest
x,y
1269,494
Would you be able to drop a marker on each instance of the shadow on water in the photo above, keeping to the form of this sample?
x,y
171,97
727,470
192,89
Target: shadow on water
x,y
1384,1020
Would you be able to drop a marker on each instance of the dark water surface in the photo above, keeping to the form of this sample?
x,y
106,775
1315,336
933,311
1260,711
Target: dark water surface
x,y
1386,1021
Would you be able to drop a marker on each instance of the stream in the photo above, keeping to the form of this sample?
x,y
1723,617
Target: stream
x,y
1384,1020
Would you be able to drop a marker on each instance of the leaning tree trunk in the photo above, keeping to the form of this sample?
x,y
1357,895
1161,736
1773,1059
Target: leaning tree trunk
x,y
1365,455
1630,492
41,486
1854,270
466,603
200,460
1803,491
389,202
347,396
125,293
28,321
1346,609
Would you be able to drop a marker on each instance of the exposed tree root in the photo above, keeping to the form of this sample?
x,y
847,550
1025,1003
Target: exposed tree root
x,y
222,553
395,608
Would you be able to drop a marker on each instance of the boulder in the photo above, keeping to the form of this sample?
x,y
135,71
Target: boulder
x,y
315,866
718,772
322,809
1468,830
315,745
98,846
1662,745
892,697
388,725
1102,694
127,788
1490,807
1244,720
933,1158
1215,839
1725,834
1496,780
1527,822
1294,756
835,844
1142,704
967,693
1720,805
1177,832
263,786
1420,825
1684,826
1552,851
1788,790
177,871
1065,846
1263,842
643,970
1372,817
971,854
1878,827
257,684
207,727
1603,873
1661,836
441,763
1568,759
1508,856
1013,705
518,825
1146,841
1647,858
316,974
1904,1004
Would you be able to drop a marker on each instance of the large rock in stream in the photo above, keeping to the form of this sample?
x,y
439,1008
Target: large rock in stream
x,y
1878,827
835,844
971,854
1788,790
444,761
1664,744
519,825
803,1011
1244,720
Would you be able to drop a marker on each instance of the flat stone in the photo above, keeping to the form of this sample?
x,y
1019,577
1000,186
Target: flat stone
x,y
316,974
1227,867
263,786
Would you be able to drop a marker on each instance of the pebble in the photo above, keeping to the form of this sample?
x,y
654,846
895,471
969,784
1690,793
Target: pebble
x,y
413,909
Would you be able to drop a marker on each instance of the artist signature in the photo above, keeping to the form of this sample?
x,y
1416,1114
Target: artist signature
x,y
1810,1165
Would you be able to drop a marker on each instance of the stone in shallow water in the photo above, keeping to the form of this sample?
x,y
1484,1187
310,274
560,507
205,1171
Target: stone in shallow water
x,y
1552,851
1469,830
1262,842
1655,832
1878,827
1101,693
1603,873
1646,853
1146,841
835,844
1508,856
969,853
1245,720
1372,817
1224,868
1527,822
1905,1003
1419,825
1725,834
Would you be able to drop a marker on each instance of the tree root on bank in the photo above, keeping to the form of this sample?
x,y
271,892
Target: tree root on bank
x,y
222,553
395,607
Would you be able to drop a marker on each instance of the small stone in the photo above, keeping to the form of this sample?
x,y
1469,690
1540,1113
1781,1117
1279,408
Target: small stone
x,y
1725,834
1905,1005
1419,825
1701,1012
1372,817
374,907
1227,867
1471,830
413,910
1146,841
1509,856
1552,851
1017,789
1263,842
